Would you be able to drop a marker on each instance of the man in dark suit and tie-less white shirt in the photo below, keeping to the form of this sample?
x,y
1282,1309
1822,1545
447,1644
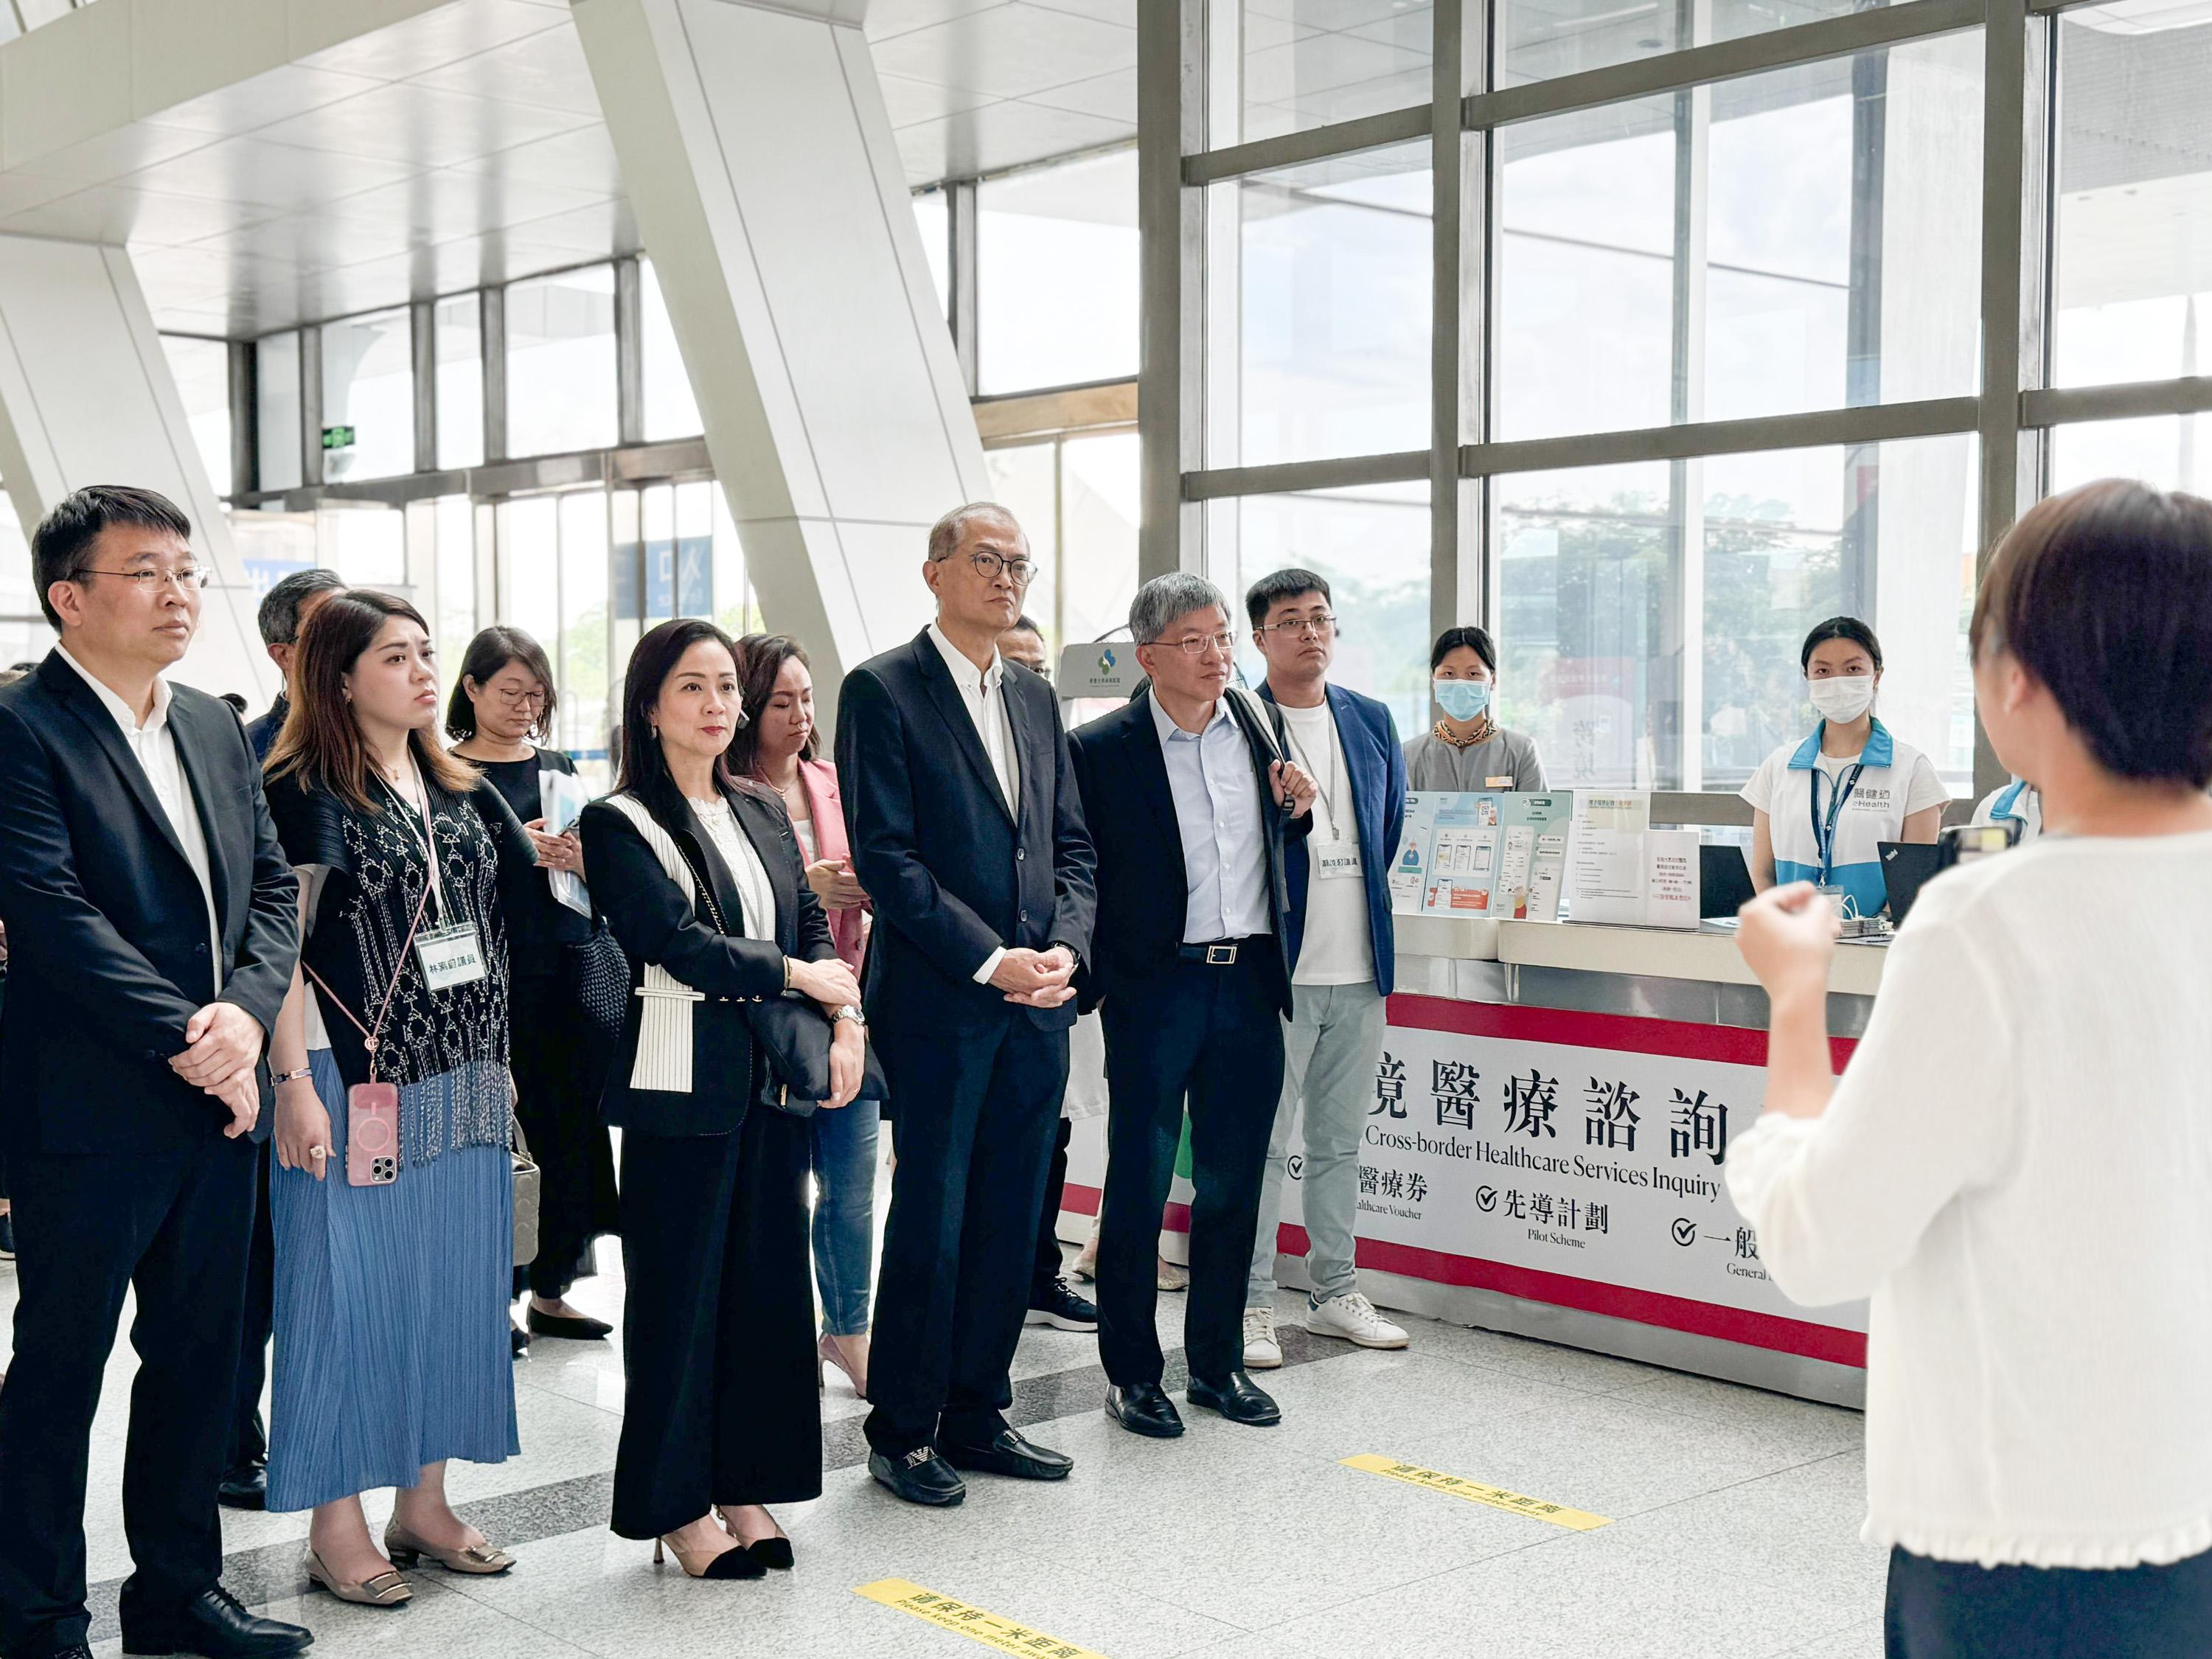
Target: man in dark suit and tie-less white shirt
x,y
154,925
1192,793
967,834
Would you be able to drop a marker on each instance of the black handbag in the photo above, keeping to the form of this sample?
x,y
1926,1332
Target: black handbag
x,y
598,978
791,1034
794,1036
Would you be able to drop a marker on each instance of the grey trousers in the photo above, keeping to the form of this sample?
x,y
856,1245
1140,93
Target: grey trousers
x,y
1330,1048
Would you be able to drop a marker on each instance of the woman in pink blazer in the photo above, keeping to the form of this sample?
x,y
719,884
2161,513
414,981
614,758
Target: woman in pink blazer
x,y
776,746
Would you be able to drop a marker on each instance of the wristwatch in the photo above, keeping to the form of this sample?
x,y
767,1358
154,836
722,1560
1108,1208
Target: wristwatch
x,y
848,1012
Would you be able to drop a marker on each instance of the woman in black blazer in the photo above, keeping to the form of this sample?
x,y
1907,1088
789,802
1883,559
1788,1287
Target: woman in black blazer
x,y
719,1324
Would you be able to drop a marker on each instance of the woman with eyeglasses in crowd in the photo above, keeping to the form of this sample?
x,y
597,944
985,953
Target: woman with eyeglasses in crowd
x,y
1468,748
501,711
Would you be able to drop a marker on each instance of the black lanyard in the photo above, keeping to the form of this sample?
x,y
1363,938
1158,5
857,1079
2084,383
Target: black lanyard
x,y
1823,842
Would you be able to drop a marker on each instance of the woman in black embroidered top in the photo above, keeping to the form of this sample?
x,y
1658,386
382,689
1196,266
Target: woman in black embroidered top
x,y
391,1300
718,1335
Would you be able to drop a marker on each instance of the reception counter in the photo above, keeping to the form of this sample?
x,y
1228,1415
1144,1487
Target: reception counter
x,y
1545,1148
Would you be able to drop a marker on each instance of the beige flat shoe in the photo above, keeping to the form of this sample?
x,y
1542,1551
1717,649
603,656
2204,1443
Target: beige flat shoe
x,y
403,1547
382,1590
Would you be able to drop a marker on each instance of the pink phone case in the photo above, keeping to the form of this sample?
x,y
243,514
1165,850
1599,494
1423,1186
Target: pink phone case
x,y
372,1134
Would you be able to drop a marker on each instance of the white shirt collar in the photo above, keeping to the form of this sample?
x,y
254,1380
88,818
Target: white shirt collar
x,y
1170,732
965,674
124,715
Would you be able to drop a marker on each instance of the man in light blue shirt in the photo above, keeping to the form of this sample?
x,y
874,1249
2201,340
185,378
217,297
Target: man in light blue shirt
x,y
1217,806
1190,793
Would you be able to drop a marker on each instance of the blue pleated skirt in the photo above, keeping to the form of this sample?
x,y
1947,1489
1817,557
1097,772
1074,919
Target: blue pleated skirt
x,y
391,1316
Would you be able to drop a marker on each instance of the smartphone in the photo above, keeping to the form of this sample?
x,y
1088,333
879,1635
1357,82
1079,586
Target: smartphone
x,y
373,1134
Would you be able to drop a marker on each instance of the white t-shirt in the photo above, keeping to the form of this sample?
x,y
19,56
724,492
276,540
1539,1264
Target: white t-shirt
x,y
1336,948
1897,781
2017,1167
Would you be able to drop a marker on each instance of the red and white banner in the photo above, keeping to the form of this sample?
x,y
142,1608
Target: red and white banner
x,y
1574,1159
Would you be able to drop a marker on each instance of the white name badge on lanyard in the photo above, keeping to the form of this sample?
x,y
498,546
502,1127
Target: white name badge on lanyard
x,y
1338,861
449,954
449,957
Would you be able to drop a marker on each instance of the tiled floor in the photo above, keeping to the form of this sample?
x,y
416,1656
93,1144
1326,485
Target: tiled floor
x,y
1734,1519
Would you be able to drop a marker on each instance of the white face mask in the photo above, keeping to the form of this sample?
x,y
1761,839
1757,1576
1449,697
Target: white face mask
x,y
1843,698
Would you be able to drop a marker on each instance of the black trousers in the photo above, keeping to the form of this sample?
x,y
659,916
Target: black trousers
x,y
1212,1037
974,1133
249,1435
560,1067
1957,1610
1048,1262
172,1226
718,1329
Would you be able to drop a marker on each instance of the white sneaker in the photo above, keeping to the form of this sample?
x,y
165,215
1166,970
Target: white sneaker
x,y
1353,1318
1262,1353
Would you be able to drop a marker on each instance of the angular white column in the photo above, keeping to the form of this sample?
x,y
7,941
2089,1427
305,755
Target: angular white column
x,y
758,153
87,397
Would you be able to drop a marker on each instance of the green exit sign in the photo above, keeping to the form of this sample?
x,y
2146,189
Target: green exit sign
x,y
338,437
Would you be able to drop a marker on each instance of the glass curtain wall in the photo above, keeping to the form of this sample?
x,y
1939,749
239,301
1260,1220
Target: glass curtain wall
x,y
1724,359
1076,495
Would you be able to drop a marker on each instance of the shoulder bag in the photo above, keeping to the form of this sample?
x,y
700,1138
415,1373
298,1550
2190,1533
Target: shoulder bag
x,y
793,1036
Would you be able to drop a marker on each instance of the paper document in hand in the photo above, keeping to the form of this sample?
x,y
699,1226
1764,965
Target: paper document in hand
x,y
562,797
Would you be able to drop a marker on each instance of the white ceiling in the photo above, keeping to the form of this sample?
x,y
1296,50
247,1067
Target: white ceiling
x,y
464,146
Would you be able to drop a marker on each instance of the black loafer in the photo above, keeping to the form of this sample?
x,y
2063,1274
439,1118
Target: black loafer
x,y
1144,1408
244,1489
518,1341
579,1329
1238,1398
214,1626
1008,1453
920,1477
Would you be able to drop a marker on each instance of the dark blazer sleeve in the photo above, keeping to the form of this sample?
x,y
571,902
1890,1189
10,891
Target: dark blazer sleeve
x,y
270,950
1074,857
653,919
879,824
40,894
1394,786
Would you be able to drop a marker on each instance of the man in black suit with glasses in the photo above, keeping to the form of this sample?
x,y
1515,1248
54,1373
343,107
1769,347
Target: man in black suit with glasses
x,y
968,834
154,925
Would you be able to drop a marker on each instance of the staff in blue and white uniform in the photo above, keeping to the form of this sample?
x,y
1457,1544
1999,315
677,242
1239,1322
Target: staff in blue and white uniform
x,y
1822,808
2017,802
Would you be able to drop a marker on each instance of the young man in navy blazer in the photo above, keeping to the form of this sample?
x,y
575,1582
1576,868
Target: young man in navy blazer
x,y
967,834
154,925
1342,956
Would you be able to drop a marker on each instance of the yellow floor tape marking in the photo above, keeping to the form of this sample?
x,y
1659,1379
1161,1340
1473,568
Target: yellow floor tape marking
x,y
973,1622
1475,1491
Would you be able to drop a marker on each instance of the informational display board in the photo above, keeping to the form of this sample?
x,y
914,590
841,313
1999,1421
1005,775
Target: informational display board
x,y
1485,856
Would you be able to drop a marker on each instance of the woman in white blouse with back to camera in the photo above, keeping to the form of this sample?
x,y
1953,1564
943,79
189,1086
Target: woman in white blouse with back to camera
x,y
2017,1164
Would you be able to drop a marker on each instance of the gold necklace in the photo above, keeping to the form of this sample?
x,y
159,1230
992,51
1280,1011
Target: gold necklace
x,y
1482,734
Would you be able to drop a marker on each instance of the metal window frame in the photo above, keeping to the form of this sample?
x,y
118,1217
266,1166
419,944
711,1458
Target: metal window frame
x,y
2009,417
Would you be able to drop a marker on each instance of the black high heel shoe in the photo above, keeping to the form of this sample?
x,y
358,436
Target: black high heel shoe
x,y
771,1552
581,1328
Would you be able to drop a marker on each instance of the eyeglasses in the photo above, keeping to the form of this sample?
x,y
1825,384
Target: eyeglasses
x,y
1017,569
1321,626
514,699
151,580
1196,644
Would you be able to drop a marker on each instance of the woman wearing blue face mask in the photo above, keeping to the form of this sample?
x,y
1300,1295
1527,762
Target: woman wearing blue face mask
x,y
1822,808
1468,749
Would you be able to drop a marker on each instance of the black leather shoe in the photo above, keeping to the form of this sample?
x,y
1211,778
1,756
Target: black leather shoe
x,y
214,1626
245,1489
1008,1453
920,1477
79,1651
1238,1398
581,1328
1144,1408
518,1341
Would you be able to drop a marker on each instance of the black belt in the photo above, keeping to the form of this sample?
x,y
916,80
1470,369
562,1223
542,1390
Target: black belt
x,y
1218,953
